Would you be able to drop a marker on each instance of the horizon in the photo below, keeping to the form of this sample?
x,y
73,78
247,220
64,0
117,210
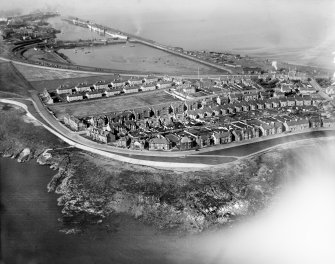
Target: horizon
x,y
299,30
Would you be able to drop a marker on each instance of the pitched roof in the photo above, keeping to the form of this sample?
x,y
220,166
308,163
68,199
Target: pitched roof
x,y
172,137
161,140
80,85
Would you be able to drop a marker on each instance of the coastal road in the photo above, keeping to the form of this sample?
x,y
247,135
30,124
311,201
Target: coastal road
x,y
71,139
224,151
190,160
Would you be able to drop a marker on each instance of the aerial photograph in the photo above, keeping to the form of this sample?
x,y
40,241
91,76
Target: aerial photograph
x,y
167,131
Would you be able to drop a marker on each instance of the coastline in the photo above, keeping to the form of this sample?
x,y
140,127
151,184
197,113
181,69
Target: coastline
x,y
167,199
180,196
161,159
93,188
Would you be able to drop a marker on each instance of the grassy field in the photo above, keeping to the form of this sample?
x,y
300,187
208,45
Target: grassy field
x,y
39,74
53,84
41,55
16,133
12,82
119,103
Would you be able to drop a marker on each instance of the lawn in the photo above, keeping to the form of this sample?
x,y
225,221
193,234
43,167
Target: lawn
x,y
12,83
114,104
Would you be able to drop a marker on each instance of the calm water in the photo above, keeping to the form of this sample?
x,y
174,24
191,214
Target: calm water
x,y
307,38
136,58
123,56
298,31
29,228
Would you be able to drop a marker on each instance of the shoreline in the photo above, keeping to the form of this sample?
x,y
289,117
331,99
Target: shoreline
x,y
170,50
81,203
94,188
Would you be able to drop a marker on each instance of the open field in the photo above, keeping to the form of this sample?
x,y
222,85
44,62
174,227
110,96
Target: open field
x,y
41,55
38,74
113,104
53,84
11,81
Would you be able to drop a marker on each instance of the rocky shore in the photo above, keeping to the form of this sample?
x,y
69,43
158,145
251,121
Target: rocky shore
x,y
92,188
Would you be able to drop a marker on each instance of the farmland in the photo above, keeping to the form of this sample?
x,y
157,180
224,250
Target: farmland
x,y
113,104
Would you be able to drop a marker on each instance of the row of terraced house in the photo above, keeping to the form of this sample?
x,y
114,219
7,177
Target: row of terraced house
x,y
130,134
108,88
236,106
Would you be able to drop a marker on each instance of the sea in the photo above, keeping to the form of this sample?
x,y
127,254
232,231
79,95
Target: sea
x,y
299,32
30,228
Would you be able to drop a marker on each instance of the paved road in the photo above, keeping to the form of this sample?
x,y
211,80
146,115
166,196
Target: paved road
x,y
225,152
195,160
209,155
72,139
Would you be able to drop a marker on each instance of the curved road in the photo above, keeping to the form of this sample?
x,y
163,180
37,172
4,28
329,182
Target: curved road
x,y
71,139
191,159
